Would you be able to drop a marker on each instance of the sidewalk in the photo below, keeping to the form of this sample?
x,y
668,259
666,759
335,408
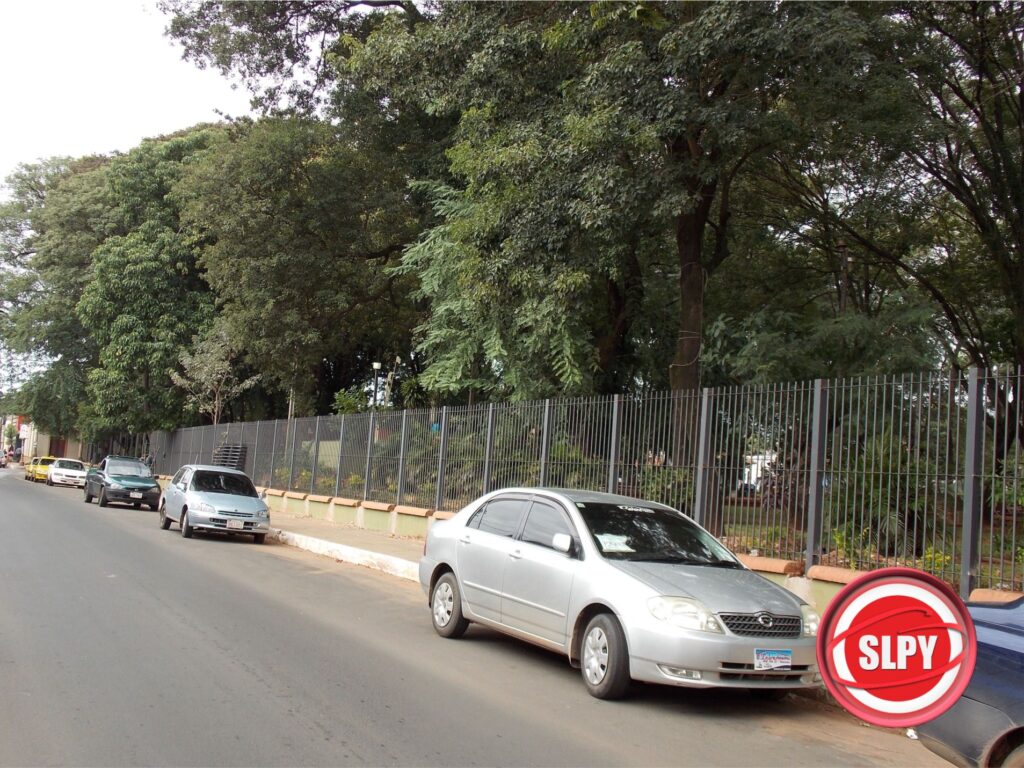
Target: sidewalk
x,y
381,551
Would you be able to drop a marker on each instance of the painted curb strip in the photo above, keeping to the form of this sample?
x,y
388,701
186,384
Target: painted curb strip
x,y
396,566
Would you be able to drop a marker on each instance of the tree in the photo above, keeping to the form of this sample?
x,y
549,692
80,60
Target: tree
x,y
596,143
145,297
297,224
209,375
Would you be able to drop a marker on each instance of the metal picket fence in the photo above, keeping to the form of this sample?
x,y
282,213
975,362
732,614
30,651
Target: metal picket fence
x,y
923,470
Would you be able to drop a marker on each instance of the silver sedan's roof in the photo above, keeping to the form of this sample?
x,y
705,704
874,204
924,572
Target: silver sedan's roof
x,y
215,468
589,497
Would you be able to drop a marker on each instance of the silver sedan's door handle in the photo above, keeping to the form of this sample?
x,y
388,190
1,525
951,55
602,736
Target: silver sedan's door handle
x,y
464,539
515,554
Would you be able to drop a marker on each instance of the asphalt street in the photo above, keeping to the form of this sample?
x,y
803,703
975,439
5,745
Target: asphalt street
x,y
121,644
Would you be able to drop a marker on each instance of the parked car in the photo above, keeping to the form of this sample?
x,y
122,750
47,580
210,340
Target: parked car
x,y
29,467
209,498
986,725
66,472
40,468
123,480
3,459
627,589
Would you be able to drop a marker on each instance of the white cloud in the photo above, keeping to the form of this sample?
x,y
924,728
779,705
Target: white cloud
x,y
94,77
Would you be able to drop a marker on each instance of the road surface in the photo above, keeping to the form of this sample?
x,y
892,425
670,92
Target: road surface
x,y
121,644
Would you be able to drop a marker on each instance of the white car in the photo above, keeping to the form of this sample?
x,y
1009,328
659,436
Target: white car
x,y
66,472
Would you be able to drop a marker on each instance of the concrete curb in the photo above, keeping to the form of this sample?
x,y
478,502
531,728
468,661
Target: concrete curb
x,y
396,566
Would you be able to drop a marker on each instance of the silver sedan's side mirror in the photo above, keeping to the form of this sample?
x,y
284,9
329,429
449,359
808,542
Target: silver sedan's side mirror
x,y
562,542
263,493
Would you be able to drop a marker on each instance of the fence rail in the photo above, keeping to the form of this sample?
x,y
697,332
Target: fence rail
x,y
924,470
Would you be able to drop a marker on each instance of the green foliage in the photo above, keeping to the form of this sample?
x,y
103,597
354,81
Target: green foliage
x,y
665,484
895,512
145,299
50,398
296,224
349,401
209,375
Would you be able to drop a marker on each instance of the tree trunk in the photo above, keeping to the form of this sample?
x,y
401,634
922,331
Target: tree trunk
x,y
685,370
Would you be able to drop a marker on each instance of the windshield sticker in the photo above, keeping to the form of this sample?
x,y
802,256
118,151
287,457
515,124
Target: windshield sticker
x,y
612,542
648,510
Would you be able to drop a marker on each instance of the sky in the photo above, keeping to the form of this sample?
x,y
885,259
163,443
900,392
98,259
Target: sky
x,y
84,77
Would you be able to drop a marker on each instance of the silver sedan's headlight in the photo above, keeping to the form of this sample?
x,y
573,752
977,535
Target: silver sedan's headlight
x,y
263,514
811,620
116,486
206,509
684,612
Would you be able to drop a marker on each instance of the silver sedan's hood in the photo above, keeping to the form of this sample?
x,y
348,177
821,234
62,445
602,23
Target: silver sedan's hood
x,y
231,501
722,590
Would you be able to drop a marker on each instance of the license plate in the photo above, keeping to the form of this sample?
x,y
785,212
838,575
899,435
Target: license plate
x,y
236,525
135,494
767,659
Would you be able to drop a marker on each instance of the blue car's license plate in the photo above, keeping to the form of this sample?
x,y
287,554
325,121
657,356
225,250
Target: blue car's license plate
x,y
771,658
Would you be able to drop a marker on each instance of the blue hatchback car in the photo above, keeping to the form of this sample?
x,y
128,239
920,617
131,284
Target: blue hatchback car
x,y
986,725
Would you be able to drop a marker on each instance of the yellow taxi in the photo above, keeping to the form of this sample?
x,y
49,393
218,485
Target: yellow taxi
x,y
28,468
39,467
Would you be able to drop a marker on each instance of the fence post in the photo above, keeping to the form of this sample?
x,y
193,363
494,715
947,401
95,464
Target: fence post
x,y
273,456
613,452
544,440
401,459
703,457
256,451
488,448
369,456
316,456
441,457
291,462
970,549
815,489
341,443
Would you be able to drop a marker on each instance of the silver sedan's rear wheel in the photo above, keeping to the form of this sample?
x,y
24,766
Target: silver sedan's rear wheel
x,y
605,659
446,607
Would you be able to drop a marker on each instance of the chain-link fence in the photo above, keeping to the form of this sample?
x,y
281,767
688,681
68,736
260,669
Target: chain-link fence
x,y
923,470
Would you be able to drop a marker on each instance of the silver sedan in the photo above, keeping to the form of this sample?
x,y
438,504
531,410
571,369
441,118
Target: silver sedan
x,y
626,589
217,499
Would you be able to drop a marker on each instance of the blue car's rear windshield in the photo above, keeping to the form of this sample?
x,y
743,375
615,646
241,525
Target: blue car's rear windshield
x,y
223,482
628,532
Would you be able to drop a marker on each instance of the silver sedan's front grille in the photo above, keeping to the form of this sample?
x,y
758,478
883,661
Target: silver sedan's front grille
x,y
761,624
234,513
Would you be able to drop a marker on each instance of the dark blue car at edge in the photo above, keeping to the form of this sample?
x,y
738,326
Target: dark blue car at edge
x,y
986,725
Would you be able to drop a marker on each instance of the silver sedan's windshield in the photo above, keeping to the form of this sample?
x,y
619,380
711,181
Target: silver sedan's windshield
x,y
626,532
223,482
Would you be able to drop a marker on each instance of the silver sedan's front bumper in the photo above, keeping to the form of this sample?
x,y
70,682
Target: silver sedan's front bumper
x,y
227,523
673,656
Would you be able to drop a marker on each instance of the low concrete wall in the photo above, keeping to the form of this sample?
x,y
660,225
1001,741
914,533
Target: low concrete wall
x,y
398,520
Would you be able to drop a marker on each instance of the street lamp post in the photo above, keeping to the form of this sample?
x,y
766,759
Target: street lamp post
x,y
376,373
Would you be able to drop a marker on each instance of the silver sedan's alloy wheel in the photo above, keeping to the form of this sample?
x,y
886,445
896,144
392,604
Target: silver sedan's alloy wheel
x,y
444,602
595,656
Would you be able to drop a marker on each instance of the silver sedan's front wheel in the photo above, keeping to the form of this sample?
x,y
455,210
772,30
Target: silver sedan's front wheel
x,y
604,658
595,656
446,607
